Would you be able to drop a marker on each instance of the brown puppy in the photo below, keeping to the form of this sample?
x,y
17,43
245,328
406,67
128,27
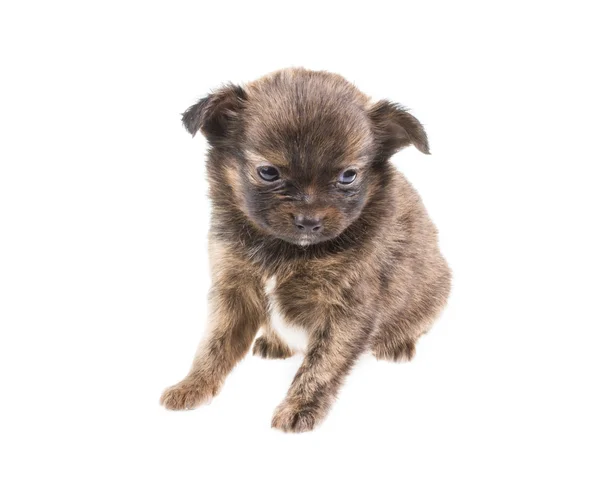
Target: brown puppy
x,y
315,239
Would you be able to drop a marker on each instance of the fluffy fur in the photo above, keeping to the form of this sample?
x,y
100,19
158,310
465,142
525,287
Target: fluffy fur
x,y
365,275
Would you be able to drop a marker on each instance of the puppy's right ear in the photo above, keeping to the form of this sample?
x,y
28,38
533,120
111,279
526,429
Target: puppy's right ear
x,y
214,115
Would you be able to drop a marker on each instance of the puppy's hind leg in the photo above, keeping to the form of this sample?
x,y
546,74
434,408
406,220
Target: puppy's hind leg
x,y
396,339
270,346
395,348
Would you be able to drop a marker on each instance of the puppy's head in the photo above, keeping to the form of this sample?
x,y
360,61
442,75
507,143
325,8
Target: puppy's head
x,y
301,152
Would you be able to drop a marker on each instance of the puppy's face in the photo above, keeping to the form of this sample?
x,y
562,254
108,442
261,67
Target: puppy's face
x,y
303,203
301,150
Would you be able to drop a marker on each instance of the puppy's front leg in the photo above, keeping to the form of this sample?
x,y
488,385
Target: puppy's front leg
x,y
238,308
333,349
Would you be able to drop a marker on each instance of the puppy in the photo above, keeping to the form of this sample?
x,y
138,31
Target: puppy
x,y
316,240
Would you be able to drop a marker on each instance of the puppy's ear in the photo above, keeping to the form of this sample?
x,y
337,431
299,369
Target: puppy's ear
x,y
214,114
395,128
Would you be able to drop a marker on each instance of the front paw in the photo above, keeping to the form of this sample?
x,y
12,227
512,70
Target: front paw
x,y
188,394
291,416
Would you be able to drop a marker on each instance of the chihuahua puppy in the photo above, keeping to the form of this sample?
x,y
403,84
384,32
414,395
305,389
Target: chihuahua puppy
x,y
315,238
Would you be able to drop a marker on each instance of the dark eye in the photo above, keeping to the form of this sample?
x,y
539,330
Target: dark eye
x,y
347,177
268,173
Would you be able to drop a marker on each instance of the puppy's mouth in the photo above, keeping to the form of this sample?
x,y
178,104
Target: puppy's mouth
x,y
304,240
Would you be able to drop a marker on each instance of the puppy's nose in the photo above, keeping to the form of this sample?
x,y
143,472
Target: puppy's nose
x,y
308,224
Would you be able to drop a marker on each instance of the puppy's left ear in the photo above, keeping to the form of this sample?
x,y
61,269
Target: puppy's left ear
x,y
215,115
395,128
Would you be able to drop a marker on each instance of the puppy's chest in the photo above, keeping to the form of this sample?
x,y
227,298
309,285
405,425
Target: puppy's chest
x,y
291,333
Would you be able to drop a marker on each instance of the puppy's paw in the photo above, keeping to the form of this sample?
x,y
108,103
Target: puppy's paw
x,y
269,348
295,417
404,351
188,394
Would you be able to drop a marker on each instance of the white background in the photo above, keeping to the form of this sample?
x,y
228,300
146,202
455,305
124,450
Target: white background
x,y
103,231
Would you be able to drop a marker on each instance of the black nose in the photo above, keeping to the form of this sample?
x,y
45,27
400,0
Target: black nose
x,y
307,224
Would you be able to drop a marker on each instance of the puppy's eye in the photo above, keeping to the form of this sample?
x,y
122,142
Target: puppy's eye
x,y
268,173
347,177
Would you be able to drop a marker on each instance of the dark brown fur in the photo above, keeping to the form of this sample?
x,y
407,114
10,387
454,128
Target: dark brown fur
x,y
372,278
